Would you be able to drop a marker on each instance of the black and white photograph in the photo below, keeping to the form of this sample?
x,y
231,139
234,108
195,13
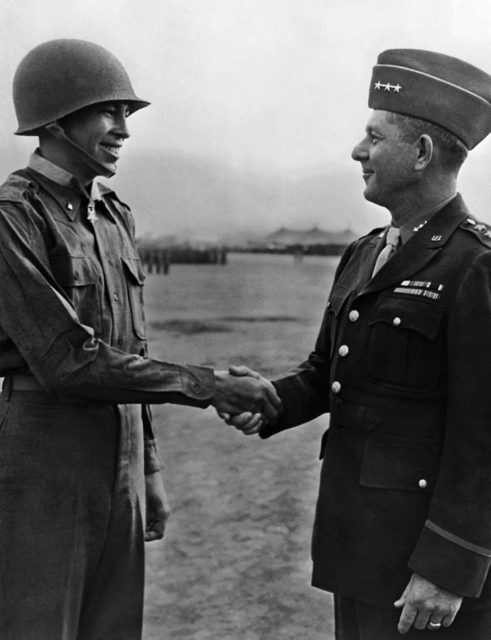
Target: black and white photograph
x,y
245,320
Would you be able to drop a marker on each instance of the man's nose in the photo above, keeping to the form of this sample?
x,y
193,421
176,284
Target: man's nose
x,y
359,152
122,127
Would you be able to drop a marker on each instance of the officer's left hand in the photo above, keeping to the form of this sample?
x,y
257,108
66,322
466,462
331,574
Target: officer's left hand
x,y
424,602
158,507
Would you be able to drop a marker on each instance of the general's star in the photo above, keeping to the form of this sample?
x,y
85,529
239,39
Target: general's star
x,y
378,85
386,86
397,87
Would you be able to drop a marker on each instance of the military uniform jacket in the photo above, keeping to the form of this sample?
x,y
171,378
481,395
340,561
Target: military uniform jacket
x,y
403,364
71,299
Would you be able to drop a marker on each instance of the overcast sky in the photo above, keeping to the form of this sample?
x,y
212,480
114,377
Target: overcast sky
x,y
280,85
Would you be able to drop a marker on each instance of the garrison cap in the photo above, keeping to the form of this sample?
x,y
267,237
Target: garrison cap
x,y
434,87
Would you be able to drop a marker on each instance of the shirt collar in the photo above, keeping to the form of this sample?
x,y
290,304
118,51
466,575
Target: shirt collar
x,y
65,179
408,230
50,170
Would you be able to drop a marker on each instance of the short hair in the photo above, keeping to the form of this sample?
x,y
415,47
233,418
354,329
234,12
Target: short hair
x,y
453,150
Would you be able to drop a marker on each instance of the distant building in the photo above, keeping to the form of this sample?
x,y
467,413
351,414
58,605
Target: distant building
x,y
314,241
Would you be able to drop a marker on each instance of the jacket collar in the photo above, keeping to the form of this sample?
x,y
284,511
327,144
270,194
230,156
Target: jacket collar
x,y
64,188
422,247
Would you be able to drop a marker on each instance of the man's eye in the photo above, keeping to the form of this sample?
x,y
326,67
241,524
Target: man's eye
x,y
374,139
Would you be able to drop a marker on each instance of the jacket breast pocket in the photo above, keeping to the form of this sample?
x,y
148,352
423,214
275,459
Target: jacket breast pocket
x,y
400,467
79,277
135,279
405,344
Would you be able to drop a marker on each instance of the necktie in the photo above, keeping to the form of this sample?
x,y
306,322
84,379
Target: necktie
x,y
391,242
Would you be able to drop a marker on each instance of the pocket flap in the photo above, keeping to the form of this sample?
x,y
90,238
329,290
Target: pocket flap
x,y
401,467
418,315
74,271
135,270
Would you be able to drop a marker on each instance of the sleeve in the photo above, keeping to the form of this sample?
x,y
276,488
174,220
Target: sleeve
x,y
61,352
304,392
454,549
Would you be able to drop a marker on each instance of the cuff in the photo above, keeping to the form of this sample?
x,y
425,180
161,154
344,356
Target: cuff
x,y
450,562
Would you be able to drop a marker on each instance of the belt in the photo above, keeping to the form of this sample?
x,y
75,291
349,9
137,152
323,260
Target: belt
x,y
22,383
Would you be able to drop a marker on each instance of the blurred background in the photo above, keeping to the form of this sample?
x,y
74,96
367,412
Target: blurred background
x,y
242,163
256,104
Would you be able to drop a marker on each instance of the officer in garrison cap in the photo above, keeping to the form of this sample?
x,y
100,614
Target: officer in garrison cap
x,y
402,533
80,487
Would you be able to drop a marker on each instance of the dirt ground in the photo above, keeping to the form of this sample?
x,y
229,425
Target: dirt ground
x,y
235,560
235,564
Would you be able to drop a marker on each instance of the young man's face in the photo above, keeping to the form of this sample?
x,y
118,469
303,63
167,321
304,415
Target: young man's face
x,y
387,162
100,131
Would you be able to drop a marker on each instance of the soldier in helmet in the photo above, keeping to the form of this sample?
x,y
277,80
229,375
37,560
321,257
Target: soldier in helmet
x,y
402,533
80,486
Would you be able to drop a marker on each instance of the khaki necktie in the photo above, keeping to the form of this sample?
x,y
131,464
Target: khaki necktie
x,y
391,243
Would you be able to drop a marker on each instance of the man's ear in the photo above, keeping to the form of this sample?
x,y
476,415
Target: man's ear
x,y
424,147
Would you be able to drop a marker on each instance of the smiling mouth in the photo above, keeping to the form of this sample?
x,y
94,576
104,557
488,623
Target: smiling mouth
x,y
112,150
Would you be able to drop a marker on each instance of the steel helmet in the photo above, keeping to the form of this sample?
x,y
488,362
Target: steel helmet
x,y
59,77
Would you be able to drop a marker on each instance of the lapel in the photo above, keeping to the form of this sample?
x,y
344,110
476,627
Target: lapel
x,y
420,249
358,270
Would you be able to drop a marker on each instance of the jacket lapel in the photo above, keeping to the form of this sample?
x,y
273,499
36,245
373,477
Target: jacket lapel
x,y
421,248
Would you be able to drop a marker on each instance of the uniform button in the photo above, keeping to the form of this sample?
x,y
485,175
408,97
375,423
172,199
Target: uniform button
x,y
343,350
396,321
422,484
336,387
116,297
353,315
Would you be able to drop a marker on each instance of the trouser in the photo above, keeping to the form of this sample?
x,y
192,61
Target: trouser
x,y
71,519
357,620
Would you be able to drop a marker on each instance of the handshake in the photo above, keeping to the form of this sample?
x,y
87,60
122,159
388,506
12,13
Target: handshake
x,y
245,399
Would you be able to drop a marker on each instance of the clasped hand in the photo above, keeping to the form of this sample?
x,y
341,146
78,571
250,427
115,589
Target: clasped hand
x,y
245,399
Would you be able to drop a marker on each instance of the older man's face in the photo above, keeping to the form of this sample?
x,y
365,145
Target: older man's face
x,y
387,162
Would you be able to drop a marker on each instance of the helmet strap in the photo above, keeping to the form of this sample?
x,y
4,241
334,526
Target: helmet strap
x,y
57,132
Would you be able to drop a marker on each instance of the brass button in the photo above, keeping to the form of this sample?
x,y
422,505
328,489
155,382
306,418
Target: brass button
x,y
423,483
353,315
336,387
396,321
343,350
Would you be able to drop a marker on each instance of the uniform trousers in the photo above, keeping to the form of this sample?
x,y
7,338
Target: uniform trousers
x,y
356,620
71,519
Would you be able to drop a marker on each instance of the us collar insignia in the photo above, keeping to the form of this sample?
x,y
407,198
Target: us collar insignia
x,y
396,88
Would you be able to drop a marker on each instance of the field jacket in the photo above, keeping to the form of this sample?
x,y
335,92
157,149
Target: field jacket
x,y
71,298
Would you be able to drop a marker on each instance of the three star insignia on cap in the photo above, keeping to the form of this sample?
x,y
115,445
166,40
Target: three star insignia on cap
x,y
396,88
